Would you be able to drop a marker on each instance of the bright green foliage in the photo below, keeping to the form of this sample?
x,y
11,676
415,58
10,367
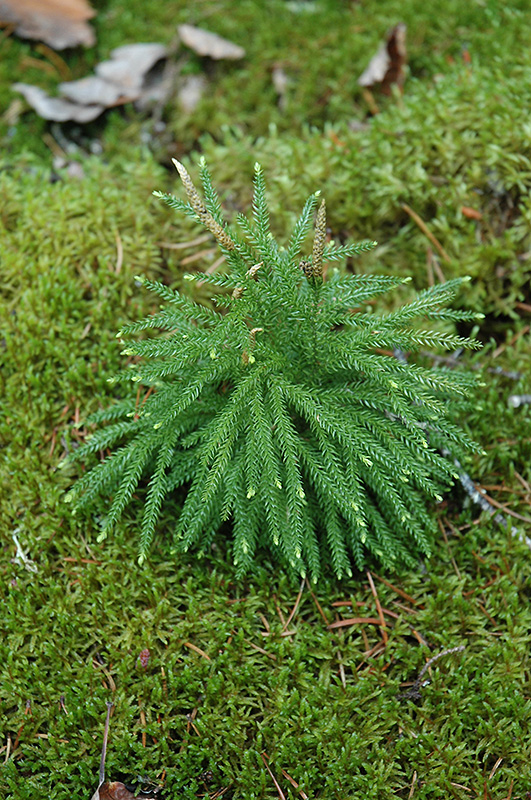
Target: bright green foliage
x,y
288,413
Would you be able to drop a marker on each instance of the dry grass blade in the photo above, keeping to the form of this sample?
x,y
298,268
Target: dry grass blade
x,y
295,607
281,794
345,623
197,650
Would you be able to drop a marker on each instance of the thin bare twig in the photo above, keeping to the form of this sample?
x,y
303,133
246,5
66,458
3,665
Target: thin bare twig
x,y
414,691
378,607
281,794
426,231
110,706
295,607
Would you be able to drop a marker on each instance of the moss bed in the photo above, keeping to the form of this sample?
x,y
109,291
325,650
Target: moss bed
x,y
238,669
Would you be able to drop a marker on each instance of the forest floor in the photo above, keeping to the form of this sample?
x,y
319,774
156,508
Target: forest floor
x,y
247,688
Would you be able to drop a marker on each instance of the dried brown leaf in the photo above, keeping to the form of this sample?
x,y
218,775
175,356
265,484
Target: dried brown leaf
x,y
387,66
113,790
471,213
59,23
205,43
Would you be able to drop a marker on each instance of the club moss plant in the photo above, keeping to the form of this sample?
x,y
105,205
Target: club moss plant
x,y
289,413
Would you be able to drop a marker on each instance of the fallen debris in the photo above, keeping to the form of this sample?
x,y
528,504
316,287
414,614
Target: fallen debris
x,y
114,790
280,84
191,92
57,109
414,692
387,67
205,43
124,78
58,23
21,558
517,400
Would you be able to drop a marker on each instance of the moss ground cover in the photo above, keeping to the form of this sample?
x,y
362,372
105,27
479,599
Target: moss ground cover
x,y
317,701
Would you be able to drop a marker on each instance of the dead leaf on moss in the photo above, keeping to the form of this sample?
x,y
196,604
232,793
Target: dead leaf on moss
x,y
205,43
93,90
129,64
387,66
59,23
121,79
56,109
114,790
471,213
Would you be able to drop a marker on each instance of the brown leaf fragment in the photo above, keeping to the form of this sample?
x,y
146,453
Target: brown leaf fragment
x,y
113,790
59,23
57,109
387,66
205,43
471,213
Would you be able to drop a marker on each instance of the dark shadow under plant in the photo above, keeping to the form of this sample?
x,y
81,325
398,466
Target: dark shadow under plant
x,y
287,413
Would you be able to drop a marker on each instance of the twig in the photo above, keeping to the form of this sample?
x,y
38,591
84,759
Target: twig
x,y
501,506
295,785
346,623
8,749
378,606
197,650
484,503
316,601
281,794
21,557
502,347
413,782
272,656
119,254
445,537
342,671
426,231
104,746
495,767
295,607
399,592
414,691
